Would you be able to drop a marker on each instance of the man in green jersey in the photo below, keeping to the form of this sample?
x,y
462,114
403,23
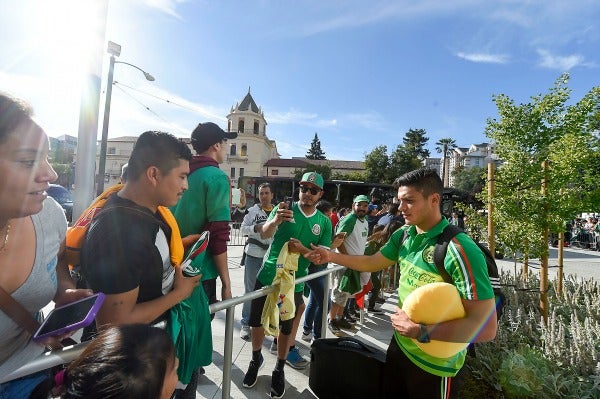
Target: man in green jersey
x,y
409,371
302,226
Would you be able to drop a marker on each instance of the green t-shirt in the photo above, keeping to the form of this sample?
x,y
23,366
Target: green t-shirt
x,y
309,229
464,262
205,200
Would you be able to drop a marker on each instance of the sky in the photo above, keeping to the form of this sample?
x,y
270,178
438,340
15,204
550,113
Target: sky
x,y
358,73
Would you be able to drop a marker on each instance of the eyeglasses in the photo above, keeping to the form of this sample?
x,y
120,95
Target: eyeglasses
x,y
313,191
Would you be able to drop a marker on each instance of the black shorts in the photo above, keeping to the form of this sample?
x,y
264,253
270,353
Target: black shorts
x,y
404,379
257,305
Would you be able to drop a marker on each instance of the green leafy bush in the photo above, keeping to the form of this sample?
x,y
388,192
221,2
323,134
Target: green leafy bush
x,y
529,359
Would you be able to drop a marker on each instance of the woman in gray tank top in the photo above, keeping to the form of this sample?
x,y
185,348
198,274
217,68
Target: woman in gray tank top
x,y
32,232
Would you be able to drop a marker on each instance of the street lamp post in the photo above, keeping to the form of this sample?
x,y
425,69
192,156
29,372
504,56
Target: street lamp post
x,y
114,50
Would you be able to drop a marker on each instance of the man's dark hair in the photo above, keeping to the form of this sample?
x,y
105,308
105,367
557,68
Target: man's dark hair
x,y
265,185
13,112
159,149
324,206
425,180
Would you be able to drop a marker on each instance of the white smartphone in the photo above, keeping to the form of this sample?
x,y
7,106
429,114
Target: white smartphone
x,y
236,196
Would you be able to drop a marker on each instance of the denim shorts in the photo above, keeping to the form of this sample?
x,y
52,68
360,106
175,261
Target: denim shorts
x,y
22,387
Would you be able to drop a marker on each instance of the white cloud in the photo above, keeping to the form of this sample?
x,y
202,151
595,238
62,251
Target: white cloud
x,y
166,6
485,58
561,63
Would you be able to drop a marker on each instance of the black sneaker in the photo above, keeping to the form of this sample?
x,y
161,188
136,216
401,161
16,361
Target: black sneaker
x,y
349,319
335,330
277,384
341,323
375,311
380,300
252,374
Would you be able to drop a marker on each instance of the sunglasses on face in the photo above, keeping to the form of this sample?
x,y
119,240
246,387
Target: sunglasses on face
x,y
313,191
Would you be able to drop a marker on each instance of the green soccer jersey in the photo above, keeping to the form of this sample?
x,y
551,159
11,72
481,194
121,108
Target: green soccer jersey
x,y
308,229
207,199
464,262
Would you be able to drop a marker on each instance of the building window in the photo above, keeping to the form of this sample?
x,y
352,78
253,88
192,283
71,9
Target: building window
x,y
241,126
229,125
232,149
255,127
111,150
244,151
241,172
232,175
274,172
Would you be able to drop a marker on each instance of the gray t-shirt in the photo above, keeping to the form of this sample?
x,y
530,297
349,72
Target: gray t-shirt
x,y
16,346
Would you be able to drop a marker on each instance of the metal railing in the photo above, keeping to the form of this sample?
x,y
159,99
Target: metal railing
x,y
70,353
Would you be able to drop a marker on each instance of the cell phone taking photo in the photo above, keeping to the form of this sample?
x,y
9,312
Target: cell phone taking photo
x,y
70,317
289,202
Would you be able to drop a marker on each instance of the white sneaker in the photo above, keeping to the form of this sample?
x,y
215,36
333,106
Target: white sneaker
x,y
273,348
245,333
307,337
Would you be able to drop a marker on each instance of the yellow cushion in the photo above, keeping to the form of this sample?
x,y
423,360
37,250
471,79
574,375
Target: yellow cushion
x,y
431,304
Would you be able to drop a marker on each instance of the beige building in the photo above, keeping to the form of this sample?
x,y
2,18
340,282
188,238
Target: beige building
x,y
249,152
118,150
479,155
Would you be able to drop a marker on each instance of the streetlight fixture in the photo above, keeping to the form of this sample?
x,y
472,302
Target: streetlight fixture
x,y
114,50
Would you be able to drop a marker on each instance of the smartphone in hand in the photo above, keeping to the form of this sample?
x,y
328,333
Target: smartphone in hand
x,y
340,235
70,317
289,202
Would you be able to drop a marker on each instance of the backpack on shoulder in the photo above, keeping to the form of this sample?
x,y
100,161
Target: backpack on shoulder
x,y
441,247
76,234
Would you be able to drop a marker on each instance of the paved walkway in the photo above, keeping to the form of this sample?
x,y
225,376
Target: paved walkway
x,y
376,330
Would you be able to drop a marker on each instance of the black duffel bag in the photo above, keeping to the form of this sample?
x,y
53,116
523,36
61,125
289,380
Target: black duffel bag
x,y
346,368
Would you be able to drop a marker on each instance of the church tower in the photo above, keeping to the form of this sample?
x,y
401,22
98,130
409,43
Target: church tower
x,y
248,153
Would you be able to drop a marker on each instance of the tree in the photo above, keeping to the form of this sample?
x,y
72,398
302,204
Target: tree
x,y
470,180
353,176
543,140
324,170
377,163
415,141
402,160
315,151
444,146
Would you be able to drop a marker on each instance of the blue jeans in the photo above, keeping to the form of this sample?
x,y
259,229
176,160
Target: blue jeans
x,y
252,266
22,387
313,315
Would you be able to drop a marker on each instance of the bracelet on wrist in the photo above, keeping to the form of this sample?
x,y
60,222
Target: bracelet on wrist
x,y
423,336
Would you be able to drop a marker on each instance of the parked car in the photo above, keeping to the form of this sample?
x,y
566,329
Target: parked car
x,y
63,197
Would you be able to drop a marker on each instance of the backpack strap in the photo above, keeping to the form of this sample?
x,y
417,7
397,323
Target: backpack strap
x,y
441,247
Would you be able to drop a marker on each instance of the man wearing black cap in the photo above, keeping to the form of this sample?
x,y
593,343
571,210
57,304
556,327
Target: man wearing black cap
x,y
206,205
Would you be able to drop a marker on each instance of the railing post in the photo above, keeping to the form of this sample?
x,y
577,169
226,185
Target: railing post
x,y
325,307
227,352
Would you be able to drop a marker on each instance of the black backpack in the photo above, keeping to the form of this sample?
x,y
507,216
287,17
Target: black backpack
x,y
441,247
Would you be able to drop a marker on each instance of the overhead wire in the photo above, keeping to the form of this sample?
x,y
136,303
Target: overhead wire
x,y
170,123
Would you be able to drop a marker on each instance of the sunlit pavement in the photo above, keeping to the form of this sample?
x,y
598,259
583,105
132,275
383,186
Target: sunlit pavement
x,y
581,263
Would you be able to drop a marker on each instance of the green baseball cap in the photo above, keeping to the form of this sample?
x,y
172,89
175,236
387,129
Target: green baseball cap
x,y
360,198
313,178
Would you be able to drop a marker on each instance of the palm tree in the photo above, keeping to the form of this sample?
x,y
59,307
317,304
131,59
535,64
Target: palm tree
x,y
444,146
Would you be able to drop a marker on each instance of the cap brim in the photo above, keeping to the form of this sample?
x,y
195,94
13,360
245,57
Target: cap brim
x,y
230,135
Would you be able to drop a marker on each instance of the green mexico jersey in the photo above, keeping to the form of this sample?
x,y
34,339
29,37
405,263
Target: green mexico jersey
x,y
308,229
464,262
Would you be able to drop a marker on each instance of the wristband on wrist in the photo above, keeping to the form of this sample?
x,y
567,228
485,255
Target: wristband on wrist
x,y
423,336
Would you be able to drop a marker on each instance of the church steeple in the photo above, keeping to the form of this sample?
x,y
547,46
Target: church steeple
x,y
247,118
